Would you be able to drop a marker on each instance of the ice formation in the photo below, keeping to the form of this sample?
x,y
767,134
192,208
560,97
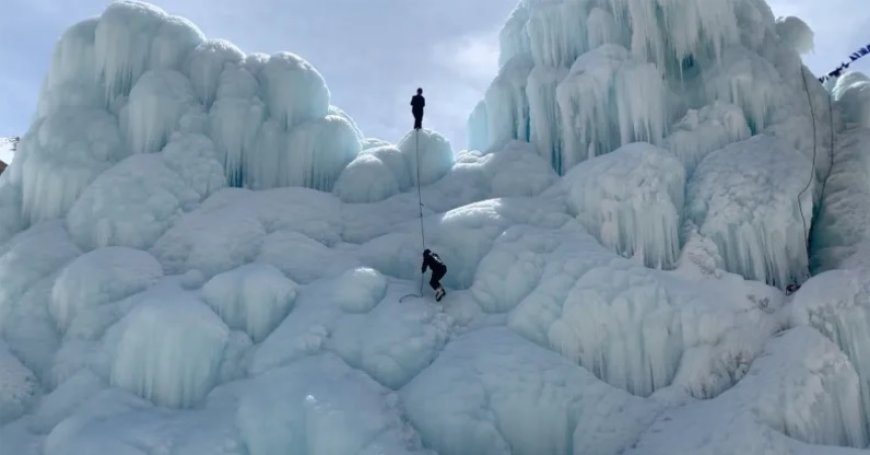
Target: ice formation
x,y
631,200
252,298
754,199
200,254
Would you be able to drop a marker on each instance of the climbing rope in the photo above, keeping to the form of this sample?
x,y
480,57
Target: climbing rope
x,y
420,204
420,200
815,151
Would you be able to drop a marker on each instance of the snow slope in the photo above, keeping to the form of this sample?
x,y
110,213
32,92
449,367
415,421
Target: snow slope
x,y
201,255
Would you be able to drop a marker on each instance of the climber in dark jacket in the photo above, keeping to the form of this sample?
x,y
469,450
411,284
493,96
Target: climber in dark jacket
x,y
432,261
417,105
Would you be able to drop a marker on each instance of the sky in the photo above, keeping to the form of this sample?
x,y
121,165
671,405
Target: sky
x,y
372,53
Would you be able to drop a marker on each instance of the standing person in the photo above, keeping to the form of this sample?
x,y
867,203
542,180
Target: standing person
x,y
433,261
417,105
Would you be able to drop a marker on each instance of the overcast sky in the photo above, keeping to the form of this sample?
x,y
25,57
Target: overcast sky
x,y
372,53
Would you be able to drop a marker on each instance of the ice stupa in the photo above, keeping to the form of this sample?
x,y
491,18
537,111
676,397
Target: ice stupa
x,y
199,254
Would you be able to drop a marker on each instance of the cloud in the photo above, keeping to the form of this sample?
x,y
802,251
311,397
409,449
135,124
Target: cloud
x,y
472,57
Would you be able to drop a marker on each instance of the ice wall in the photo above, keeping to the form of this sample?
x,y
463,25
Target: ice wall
x,y
632,201
150,304
581,78
129,81
754,199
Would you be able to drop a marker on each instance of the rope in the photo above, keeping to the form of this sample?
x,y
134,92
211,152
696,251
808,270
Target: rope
x,y
420,200
420,203
815,151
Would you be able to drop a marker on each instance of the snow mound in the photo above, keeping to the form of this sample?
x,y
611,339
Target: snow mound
x,y
502,394
31,256
320,405
62,154
207,63
852,94
634,328
253,298
168,350
156,190
158,102
802,387
302,258
229,229
631,200
360,290
392,343
100,277
366,179
747,198
704,131
294,91
837,304
318,152
433,151
145,75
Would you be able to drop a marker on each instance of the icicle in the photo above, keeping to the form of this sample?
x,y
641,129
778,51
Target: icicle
x,y
507,107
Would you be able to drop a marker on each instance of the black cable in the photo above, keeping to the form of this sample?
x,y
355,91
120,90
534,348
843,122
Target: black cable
x,y
815,151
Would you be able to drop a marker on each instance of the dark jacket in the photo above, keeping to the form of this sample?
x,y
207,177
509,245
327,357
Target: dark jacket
x,y
434,262
417,104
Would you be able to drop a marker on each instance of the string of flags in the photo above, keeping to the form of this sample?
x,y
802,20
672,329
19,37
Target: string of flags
x,y
844,66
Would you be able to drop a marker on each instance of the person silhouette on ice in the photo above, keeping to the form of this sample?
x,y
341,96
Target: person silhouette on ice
x,y
433,261
417,105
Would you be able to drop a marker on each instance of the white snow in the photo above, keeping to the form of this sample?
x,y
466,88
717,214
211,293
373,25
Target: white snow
x,y
201,254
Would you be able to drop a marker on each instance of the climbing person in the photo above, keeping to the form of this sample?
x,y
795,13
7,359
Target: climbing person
x,y
417,105
433,261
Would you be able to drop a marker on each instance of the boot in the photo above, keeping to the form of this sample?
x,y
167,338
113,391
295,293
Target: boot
x,y
439,294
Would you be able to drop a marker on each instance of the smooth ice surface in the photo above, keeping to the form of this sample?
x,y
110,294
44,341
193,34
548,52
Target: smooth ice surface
x,y
201,254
